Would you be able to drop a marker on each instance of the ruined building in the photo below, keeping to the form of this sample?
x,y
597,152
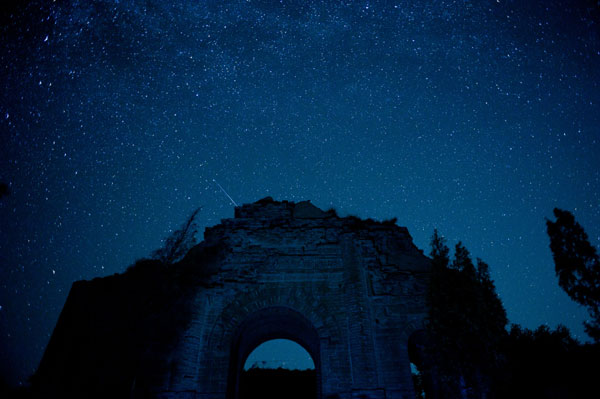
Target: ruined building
x,y
352,292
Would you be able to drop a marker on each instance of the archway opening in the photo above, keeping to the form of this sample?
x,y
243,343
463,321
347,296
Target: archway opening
x,y
417,355
278,368
274,323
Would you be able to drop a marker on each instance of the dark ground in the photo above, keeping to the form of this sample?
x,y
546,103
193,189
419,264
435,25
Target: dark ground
x,y
279,383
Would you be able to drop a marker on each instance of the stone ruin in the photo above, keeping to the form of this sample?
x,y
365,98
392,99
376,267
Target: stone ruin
x,y
352,292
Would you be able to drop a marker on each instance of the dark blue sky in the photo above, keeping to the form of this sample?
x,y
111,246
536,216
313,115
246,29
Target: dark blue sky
x,y
473,117
279,353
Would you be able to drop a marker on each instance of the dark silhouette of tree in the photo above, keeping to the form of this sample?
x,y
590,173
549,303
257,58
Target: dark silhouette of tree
x,y
440,253
462,260
547,364
179,242
4,190
577,266
466,325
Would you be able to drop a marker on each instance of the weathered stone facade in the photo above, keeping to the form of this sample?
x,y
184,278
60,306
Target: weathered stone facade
x,y
350,291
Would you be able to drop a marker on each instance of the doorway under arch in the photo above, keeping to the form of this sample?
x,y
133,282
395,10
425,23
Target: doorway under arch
x,y
279,353
278,368
420,369
275,322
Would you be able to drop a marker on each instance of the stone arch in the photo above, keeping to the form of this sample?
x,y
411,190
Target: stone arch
x,y
413,327
317,311
301,297
417,345
266,324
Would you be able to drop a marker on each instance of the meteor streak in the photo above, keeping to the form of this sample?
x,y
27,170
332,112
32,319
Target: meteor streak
x,y
222,189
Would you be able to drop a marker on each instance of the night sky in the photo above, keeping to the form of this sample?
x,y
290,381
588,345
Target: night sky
x,y
279,353
473,117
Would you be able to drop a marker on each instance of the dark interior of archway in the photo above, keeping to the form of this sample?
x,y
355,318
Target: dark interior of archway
x,y
416,354
257,383
278,369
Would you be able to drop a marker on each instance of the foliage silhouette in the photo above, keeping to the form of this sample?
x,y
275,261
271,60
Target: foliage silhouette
x,y
466,325
577,266
547,364
179,242
469,353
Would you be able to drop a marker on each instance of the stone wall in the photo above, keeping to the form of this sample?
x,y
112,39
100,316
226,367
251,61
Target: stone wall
x,y
361,284
350,291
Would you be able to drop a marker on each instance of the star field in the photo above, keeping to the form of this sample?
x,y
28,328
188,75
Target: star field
x,y
475,118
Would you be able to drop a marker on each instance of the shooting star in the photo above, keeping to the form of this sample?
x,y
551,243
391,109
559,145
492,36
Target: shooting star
x,y
222,189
